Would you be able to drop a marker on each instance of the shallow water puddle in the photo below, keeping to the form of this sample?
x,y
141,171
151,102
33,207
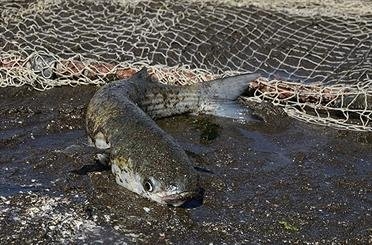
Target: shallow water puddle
x,y
300,184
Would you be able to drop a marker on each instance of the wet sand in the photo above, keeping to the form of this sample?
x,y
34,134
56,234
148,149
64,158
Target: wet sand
x,y
263,184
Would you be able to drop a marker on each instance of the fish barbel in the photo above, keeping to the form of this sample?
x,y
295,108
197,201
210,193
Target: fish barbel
x,y
143,157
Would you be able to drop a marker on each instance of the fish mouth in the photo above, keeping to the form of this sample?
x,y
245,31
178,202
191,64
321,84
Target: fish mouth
x,y
180,198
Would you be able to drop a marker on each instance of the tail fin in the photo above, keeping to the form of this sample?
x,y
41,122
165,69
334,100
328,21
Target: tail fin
x,y
218,97
229,88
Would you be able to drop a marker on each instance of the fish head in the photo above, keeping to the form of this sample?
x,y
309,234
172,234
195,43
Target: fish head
x,y
170,184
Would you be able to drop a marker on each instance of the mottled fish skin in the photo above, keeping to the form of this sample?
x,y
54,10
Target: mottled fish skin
x,y
144,158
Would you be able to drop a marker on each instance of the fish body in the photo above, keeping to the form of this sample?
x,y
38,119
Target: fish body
x,y
143,157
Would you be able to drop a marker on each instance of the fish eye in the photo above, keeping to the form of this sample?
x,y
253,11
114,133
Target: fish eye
x,y
148,185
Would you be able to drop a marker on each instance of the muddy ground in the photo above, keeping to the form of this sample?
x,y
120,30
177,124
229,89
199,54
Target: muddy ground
x,y
297,184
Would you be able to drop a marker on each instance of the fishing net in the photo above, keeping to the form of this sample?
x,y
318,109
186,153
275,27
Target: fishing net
x,y
314,56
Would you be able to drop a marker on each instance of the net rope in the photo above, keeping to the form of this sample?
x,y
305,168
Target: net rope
x,y
314,56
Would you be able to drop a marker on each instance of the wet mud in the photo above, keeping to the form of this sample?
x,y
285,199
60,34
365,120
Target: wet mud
x,y
263,184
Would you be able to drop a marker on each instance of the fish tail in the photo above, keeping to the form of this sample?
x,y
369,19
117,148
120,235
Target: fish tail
x,y
219,97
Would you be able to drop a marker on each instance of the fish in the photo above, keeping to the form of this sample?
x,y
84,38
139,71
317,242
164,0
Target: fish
x,y
143,157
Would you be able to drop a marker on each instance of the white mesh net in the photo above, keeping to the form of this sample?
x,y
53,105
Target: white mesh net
x,y
314,56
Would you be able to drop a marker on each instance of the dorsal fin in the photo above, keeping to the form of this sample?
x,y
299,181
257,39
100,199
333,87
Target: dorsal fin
x,y
144,75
